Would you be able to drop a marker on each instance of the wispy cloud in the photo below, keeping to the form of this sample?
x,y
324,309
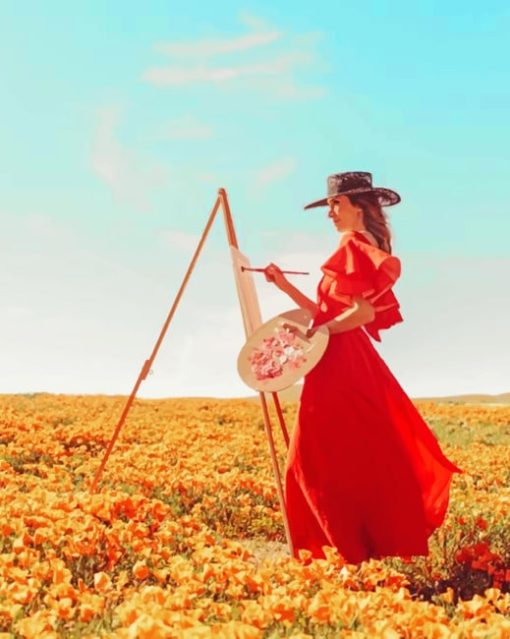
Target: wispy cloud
x,y
186,127
214,46
178,240
274,70
274,172
276,66
289,89
130,177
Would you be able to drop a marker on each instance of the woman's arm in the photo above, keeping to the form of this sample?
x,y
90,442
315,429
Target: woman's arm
x,y
300,298
362,312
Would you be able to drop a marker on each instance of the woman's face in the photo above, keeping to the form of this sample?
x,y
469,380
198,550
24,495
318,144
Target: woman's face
x,y
344,215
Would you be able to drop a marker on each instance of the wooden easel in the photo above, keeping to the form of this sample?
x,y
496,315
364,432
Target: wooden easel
x,y
222,201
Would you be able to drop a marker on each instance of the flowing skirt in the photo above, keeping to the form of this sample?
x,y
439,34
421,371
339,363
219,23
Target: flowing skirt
x,y
364,472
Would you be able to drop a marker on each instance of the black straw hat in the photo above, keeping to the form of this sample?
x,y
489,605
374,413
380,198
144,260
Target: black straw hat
x,y
356,182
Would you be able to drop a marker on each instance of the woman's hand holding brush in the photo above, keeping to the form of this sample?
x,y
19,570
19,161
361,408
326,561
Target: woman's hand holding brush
x,y
275,274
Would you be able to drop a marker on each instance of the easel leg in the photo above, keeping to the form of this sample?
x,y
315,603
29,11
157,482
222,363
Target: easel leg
x,y
279,412
148,363
232,240
276,470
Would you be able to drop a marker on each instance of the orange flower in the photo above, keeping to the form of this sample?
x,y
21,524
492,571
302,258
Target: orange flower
x,y
91,606
161,574
20,543
146,627
254,614
478,608
253,583
34,626
64,608
6,529
305,555
62,590
230,630
319,608
21,594
141,570
102,582
41,535
61,574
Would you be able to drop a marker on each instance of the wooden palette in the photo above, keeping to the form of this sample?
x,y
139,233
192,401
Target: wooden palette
x,y
278,353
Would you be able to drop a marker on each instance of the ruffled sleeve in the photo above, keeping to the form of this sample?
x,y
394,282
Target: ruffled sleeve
x,y
359,268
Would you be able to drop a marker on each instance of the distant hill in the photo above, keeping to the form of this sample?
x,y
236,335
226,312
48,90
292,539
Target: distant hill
x,y
502,398
293,393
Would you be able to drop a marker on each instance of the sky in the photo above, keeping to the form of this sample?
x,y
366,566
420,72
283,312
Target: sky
x,y
119,123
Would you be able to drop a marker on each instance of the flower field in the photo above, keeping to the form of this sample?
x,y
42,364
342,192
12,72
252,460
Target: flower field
x,y
185,538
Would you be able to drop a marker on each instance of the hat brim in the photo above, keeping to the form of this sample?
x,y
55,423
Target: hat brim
x,y
386,197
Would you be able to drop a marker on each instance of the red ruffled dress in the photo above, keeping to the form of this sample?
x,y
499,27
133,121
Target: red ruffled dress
x,y
364,472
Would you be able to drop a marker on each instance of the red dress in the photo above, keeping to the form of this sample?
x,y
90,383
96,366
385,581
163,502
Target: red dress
x,y
364,472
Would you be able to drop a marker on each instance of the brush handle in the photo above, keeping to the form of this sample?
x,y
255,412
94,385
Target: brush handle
x,y
261,270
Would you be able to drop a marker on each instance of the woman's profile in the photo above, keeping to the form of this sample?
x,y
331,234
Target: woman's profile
x,y
364,472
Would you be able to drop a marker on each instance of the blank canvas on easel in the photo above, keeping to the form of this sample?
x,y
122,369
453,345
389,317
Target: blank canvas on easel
x,y
246,291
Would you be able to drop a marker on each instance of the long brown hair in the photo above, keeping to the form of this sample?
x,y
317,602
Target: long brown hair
x,y
374,218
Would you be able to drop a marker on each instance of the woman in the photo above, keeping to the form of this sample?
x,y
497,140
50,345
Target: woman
x,y
364,473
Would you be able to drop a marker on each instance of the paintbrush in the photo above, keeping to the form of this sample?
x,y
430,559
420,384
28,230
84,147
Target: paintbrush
x,y
261,270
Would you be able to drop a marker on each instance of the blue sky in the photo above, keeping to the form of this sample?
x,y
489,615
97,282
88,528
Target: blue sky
x,y
119,123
